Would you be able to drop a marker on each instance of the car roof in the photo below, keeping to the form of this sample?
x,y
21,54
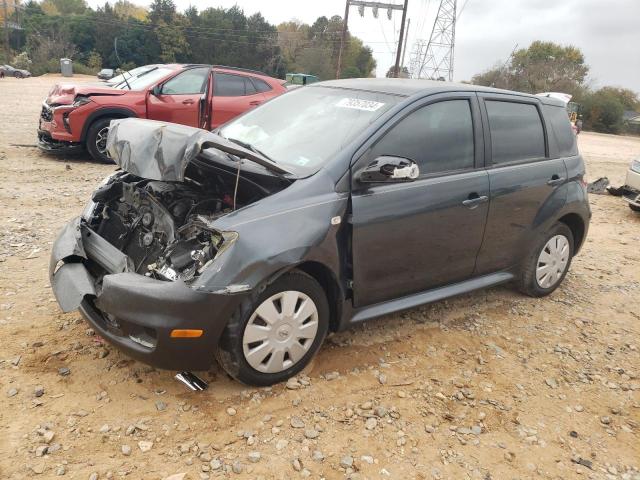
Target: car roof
x,y
407,87
222,68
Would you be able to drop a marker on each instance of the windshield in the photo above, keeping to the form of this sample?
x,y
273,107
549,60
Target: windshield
x,y
304,128
145,80
131,73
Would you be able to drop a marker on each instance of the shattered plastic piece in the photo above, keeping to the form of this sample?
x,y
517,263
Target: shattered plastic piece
x,y
583,462
599,187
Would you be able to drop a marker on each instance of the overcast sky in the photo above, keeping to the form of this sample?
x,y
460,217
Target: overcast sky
x,y
607,31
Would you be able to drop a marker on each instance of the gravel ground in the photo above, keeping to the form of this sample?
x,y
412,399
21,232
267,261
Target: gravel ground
x,y
490,385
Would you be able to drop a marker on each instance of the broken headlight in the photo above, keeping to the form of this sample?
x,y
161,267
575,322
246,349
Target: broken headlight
x,y
187,257
90,207
80,100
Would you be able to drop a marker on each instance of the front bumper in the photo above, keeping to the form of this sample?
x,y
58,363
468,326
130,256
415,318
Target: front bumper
x,y
632,188
632,197
133,312
57,147
54,131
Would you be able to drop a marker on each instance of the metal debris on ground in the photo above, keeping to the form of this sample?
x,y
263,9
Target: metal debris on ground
x,y
599,187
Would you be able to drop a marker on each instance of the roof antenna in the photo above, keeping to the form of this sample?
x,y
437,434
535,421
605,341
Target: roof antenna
x,y
115,48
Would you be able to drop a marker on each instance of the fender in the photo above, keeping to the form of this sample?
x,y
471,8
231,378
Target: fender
x,y
118,112
287,233
573,202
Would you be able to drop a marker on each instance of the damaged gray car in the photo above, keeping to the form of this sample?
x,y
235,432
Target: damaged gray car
x,y
327,206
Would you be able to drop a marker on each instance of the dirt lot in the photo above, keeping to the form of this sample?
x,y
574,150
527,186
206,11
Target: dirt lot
x,y
491,385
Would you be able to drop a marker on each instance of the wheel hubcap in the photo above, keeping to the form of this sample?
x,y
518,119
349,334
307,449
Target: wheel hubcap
x,y
552,261
101,141
280,331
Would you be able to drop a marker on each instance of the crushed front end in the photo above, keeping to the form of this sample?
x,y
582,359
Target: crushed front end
x,y
130,262
54,122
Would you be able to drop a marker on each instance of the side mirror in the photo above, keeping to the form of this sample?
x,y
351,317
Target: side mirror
x,y
389,169
155,91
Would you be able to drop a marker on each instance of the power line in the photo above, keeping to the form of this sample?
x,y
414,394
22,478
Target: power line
x,y
362,4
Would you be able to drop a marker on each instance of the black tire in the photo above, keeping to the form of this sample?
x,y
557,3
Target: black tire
x,y
527,282
92,136
17,74
230,352
635,208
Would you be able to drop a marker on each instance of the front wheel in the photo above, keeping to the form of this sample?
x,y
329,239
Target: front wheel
x,y
273,335
96,141
548,262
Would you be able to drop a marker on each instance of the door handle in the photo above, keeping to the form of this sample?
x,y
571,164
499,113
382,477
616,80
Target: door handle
x,y
188,101
555,180
255,102
474,200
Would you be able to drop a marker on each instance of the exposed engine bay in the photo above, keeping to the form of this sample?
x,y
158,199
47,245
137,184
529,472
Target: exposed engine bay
x,y
165,228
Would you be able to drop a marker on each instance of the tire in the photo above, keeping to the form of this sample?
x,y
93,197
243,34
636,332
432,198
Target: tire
x,y
17,74
635,208
96,137
263,368
536,284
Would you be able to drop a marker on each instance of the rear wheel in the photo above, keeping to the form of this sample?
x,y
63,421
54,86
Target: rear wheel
x,y
548,262
273,335
96,141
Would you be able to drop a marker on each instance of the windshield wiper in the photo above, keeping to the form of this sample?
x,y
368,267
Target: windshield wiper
x,y
248,146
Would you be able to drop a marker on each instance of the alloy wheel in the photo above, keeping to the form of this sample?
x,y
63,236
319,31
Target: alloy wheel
x,y
280,331
101,141
552,261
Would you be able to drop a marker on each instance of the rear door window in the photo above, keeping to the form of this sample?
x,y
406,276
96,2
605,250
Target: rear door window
x,y
561,130
438,137
516,131
249,88
226,85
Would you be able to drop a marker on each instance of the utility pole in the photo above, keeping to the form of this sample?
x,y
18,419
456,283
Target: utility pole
x,y
7,49
404,48
396,70
343,38
362,4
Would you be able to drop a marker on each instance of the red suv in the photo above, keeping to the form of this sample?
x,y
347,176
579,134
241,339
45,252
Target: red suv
x,y
205,96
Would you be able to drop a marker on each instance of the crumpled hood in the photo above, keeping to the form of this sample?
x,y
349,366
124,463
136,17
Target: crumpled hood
x,y
161,150
65,93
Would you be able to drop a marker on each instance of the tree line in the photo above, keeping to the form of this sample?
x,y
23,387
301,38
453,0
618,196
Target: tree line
x,y
54,29
549,67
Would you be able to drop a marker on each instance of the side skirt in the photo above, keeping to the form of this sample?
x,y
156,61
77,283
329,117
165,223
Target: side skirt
x,y
412,301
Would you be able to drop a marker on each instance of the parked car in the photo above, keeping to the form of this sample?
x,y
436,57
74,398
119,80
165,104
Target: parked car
x,y
631,188
74,117
298,79
328,206
9,71
106,73
129,75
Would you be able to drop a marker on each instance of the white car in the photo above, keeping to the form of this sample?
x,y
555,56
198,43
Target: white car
x,y
632,186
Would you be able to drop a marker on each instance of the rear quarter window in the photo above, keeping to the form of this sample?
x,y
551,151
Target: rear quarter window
x,y
516,131
560,128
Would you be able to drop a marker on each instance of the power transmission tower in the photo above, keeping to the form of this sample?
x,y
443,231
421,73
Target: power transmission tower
x,y
362,4
435,60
